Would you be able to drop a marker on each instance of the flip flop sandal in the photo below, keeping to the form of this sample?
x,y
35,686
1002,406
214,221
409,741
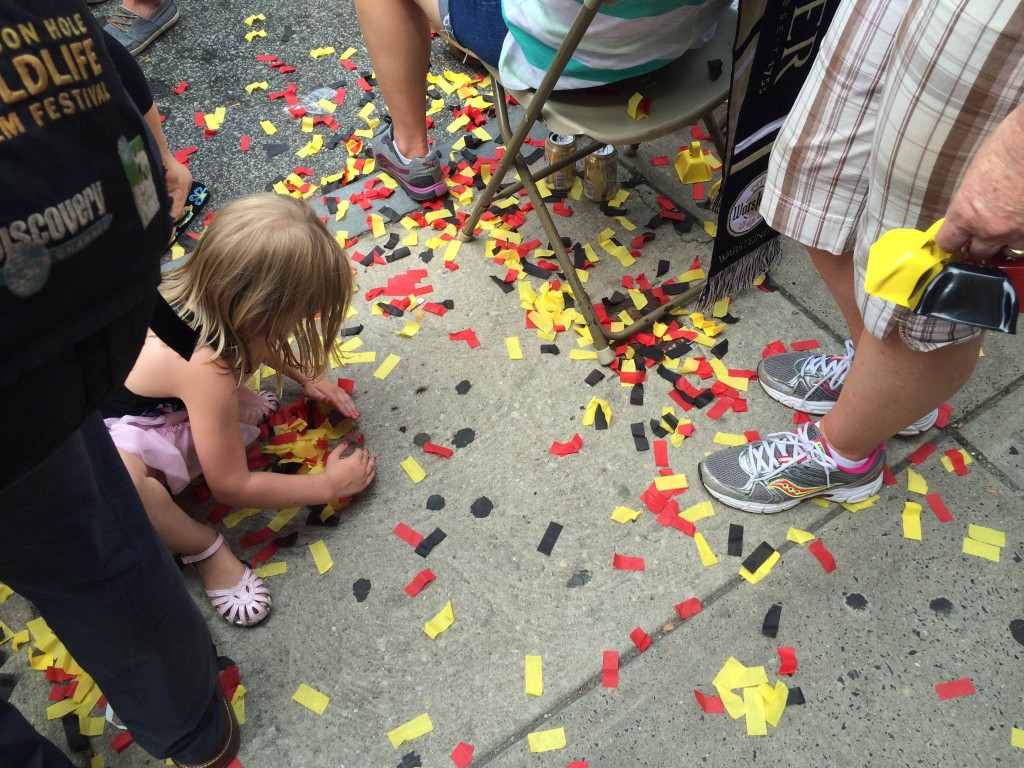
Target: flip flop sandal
x,y
247,603
195,202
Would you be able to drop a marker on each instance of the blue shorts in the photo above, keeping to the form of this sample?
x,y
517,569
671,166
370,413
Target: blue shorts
x,y
476,25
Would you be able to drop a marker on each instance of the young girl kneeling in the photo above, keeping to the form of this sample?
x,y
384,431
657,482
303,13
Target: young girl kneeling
x,y
263,272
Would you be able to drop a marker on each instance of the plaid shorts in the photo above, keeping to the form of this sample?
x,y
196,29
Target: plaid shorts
x,y
895,105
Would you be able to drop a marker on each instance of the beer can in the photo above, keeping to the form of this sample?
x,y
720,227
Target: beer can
x,y
556,148
600,175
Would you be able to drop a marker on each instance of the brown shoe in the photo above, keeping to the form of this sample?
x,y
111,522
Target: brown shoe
x,y
229,747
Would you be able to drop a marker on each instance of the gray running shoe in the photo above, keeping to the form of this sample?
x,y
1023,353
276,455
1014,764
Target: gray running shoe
x,y
421,178
135,32
777,473
813,383
805,382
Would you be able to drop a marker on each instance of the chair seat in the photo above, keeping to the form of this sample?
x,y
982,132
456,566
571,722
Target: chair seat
x,y
680,93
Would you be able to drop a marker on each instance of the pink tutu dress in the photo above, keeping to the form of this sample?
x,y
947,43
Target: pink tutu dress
x,y
163,440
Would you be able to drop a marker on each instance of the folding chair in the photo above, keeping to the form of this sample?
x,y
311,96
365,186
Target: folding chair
x,y
681,92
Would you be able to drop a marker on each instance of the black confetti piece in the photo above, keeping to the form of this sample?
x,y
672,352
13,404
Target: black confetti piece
x,y
675,289
550,349
535,271
614,300
463,387
435,502
426,256
411,760
735,540
286,541
600,420
354,330
720,349
685,225
420,438
313,518
636,395
679,350
482,507
547,543
286,35
397,254
595,377
361,589
429,542
73,733
668,374
639,437
663,267
770,628
273,150
505,287
758,557
390,309
704,398
796,696
463,437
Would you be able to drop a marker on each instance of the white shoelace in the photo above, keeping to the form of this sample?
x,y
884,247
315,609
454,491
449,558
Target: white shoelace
x,y
827,369
780,449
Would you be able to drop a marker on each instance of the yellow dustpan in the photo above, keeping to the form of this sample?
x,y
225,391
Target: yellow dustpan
x,y
901,264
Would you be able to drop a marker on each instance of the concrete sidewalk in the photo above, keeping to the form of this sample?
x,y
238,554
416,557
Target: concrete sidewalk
x,y
872,638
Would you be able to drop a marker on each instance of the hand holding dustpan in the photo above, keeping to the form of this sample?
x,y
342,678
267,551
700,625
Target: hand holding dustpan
x,y
907,267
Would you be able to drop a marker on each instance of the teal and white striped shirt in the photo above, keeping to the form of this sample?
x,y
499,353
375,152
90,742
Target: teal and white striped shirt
x,y
628,39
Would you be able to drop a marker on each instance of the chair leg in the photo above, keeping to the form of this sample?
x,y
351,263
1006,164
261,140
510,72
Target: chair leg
x,y
715,132
630,150
605,355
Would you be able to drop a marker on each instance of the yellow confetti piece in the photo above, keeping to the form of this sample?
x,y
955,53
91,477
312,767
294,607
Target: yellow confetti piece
x,y
5,592
348,54
776,705
250,36
534,676
413,469
916,483
233,519
722,374
546,741
411,329
987,535
671,482
440,622
625,514
753,702
250,20
582,354
259,86
386,367
698,512
6,633
711,228
707,557
513,348
590,413
1017,738
981,549
761,572
319,53
268,127
411,730
948,464
912,521
799,537
282,518
452,250
856,506
321,556
238,704
91,726
311,698
721,307
271,569
727,438
733,703
61,708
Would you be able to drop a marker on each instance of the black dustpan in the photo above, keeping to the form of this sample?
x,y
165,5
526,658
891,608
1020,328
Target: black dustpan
x,y
973,295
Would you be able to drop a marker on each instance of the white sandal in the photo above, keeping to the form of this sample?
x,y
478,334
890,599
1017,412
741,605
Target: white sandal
x,y
247,603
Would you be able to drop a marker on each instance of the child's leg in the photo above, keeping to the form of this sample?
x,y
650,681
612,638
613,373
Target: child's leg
x,y
179,532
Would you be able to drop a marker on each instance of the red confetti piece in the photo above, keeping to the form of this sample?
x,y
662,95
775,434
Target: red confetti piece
x,y
256,537
888,478
787,659
230,677
698,133
58,675
688,608
640,639
670,518
938,507
61,692
201,492
610,669
438,450
626,563
408,535
721,405
799,417
218,513
578,764
121,741
824,556
774,348
180,88
421,580
462,755
564,449
752,435
264,554
663,160
348,385
945,411
361,82
955,688
245,143
561,209
468,335
661,453
804,346
698,192
922,453
957,460
712,705
349,65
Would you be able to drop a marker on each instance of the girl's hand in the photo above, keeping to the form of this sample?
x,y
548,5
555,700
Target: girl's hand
x,y
336,397
348,476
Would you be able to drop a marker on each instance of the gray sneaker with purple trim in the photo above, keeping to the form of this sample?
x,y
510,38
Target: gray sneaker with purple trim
x,y
420,178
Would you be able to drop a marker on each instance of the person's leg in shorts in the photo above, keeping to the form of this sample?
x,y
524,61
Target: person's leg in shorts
x,y
75,540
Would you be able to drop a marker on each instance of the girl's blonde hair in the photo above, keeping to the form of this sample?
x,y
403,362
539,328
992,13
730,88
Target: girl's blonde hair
x,y
264,269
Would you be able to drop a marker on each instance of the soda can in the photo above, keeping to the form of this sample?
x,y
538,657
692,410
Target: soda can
x,y
556,148
600,175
